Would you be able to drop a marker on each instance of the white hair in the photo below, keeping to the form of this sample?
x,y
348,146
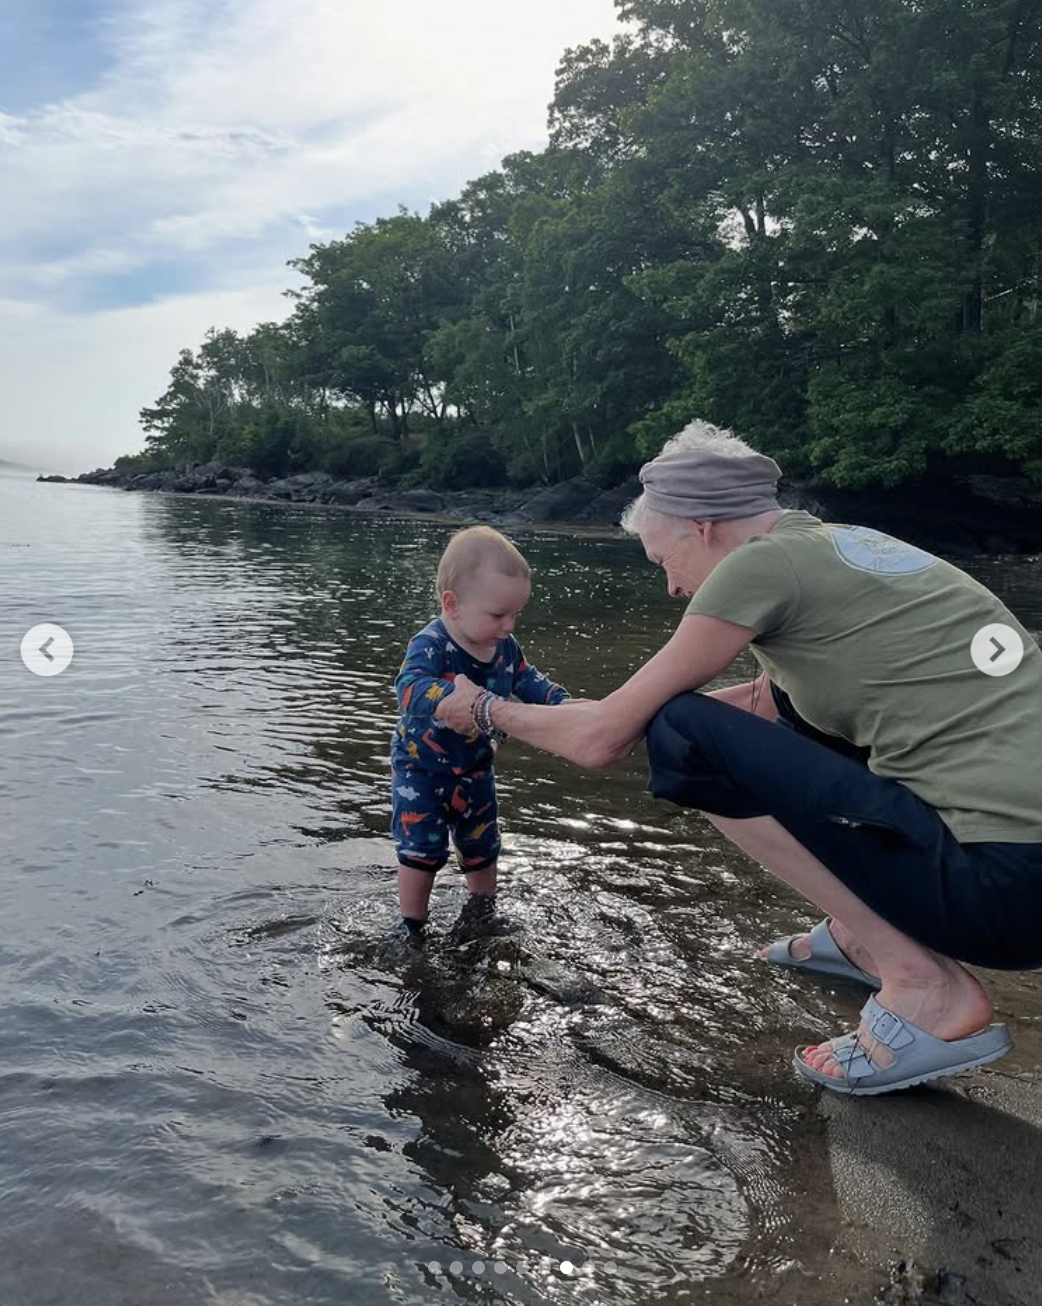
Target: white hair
x,y
638,517
714,439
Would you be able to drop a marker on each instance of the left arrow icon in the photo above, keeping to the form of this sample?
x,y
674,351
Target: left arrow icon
x,y
47,649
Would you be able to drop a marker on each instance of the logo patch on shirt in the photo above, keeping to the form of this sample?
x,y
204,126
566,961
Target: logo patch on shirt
x,y
869,550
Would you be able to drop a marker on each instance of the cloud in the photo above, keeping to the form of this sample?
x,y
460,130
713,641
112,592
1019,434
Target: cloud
x,y
73,385
215,139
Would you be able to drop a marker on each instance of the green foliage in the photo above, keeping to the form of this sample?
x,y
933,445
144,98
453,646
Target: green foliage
x,y
452,460
139,463
397,461
871,429
368,456
815,221
1002,417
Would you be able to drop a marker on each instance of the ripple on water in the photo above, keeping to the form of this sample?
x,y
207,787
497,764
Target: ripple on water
x,y
214,1088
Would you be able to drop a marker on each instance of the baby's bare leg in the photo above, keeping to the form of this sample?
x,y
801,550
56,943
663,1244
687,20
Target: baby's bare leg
x,y
414,892
482,883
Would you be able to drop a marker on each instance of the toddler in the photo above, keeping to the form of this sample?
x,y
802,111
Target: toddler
x,y
444,782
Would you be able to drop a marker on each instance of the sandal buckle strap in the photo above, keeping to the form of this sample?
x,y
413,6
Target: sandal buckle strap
x,y
888,1029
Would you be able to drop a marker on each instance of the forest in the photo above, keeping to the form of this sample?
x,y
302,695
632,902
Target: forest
x,y
817,222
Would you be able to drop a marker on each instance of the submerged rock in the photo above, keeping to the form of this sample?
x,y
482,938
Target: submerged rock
x,y
470,987
911,1285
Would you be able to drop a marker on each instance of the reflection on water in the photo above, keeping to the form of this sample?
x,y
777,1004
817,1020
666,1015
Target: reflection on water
x,y
215,1087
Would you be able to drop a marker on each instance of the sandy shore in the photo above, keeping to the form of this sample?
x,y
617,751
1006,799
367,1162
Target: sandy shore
x,y
951,1176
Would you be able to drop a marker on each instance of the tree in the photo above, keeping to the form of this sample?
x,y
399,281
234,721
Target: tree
x,y
374,298
816,221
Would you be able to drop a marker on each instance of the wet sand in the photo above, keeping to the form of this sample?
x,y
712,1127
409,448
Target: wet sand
x,y
949,1177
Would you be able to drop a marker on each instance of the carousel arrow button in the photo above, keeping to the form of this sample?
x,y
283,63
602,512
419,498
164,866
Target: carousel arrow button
x,y
997,650
47,649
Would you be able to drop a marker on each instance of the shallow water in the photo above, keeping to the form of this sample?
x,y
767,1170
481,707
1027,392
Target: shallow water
x,y
212,1088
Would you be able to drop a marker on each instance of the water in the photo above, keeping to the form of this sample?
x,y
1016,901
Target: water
x,y
211,1090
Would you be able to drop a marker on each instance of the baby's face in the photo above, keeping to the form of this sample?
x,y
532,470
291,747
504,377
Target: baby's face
x,y
487,605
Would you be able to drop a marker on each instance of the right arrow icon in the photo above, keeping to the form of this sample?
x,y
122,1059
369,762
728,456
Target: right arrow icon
x,y
997,649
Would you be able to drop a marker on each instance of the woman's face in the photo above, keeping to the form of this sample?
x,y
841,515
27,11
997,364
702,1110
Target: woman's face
x,y
686,559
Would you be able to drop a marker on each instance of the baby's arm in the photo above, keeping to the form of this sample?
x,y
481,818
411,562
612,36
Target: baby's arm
x,y
421,684
533,686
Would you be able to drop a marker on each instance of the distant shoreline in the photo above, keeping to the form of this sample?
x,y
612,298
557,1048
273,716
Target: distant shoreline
x,y
969,517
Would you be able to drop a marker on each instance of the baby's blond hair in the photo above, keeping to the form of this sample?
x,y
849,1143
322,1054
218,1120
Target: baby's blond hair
x,y
476,547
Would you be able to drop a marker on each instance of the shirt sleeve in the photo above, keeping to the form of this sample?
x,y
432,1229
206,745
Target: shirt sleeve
x,y
755,586
532,685
421,682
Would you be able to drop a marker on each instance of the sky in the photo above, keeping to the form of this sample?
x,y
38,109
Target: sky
x,y
163,159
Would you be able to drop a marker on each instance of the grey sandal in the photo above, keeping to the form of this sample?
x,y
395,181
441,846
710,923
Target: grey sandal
x,y
826,958
918,1056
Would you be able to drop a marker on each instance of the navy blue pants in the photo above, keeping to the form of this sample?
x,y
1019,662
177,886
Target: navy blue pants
x,y
977,902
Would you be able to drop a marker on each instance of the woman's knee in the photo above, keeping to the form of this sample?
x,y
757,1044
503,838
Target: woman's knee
x,y
681,726
685,765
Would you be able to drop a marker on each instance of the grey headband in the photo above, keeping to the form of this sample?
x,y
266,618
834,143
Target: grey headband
x,y
707,486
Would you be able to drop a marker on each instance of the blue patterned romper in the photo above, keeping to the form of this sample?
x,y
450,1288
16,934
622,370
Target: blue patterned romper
x,y
443,782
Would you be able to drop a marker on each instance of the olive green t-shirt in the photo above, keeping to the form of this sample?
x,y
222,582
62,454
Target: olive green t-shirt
x,y
870,638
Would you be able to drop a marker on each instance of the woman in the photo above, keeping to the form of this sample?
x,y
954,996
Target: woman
x,y
872,766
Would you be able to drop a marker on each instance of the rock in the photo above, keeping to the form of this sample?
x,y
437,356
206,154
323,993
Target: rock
x,y
959,517
304,487
102,476
608,506
403,501
247,486
910,1285
151,481
944,518
56,480
1003,489
471,506
560,502
204,477
421,501
348,492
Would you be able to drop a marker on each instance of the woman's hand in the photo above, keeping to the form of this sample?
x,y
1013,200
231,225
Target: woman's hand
x,y
454,708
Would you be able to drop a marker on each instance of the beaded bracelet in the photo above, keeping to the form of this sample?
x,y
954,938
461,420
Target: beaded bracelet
x,y
481,714
475,710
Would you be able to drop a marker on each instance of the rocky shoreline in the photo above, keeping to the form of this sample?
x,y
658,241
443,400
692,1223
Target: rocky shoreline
x,y
972,515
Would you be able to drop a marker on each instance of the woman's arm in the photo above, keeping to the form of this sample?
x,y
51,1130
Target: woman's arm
x,y
600,732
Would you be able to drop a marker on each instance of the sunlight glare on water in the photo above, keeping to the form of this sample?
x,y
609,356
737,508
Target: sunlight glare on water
x,y
215,1089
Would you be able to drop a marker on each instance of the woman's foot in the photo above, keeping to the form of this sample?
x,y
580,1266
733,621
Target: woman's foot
x,y
940,997
800,948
